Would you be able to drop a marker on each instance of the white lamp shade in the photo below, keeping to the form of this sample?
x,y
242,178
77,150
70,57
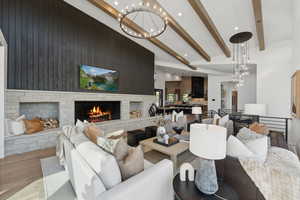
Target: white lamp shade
x,y
208,143
196,110
255,109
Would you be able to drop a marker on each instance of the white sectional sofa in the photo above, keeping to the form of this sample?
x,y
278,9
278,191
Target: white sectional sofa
x,y
95,175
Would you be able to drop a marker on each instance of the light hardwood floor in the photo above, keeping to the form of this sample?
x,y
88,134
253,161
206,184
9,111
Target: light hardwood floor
x,y
21,175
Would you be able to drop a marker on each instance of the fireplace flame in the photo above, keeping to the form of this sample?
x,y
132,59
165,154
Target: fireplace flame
x,y
96,114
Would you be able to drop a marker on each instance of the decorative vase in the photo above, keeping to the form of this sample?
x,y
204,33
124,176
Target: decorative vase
x,y
161,132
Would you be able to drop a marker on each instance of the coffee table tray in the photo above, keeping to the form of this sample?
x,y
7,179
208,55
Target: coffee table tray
x,y
166,145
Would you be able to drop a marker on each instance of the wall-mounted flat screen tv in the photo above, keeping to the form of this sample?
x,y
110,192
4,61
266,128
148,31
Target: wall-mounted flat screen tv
x,y
96,78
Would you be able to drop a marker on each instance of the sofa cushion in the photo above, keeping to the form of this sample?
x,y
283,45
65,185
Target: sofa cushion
x,y
87,182
259,147
103,163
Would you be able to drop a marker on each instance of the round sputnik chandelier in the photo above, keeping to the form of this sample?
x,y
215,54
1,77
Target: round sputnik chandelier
x,y
143,20
241,56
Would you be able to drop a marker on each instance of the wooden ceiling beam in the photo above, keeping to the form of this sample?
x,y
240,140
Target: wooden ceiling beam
x,y
182,33
108,9
257,9
211,27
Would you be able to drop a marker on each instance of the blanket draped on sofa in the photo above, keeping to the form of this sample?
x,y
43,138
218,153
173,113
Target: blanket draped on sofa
x,y
278,177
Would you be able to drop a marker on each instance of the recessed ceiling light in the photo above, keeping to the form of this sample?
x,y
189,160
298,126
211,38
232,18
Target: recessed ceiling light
x,y
116,3
179,14
236,28
185,55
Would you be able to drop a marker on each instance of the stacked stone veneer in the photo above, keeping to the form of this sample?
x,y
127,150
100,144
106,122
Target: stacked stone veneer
x,y
66,102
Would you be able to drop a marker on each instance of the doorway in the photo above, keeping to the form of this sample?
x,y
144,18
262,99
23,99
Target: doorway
x,y
234,101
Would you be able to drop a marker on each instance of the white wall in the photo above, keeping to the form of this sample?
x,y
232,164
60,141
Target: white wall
x,y
294,135
273,77
3,62
246,94
228,88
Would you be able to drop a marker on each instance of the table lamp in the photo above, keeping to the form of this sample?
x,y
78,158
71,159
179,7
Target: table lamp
x,y
208,142
197,111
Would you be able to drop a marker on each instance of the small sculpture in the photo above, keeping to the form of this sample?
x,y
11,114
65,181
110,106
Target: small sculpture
x,y
187,167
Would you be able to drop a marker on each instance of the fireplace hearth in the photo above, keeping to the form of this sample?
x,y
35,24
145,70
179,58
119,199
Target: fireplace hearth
x,y
97,111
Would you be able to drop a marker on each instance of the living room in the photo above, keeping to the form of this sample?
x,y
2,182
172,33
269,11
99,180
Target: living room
x,y
102,98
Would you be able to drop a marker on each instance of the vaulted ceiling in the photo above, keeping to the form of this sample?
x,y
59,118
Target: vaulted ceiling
x,y
272,20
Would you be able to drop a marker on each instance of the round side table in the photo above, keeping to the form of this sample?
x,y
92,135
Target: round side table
x,y
188,191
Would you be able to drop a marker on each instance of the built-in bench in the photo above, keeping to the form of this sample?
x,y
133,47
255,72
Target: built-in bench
x,y
25,143
48,138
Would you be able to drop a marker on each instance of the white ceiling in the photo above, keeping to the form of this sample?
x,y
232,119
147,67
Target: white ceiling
x,y
226,15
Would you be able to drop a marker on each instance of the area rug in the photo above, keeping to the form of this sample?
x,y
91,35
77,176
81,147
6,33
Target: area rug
x,y
56,181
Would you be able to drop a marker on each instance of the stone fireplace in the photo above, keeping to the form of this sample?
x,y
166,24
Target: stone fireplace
x,y
113,110
97,111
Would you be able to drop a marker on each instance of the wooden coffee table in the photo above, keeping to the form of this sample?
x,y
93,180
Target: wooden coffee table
x,y
172,151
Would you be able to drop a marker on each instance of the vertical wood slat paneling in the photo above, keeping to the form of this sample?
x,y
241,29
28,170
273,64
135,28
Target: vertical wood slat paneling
x,y
48,40
35,20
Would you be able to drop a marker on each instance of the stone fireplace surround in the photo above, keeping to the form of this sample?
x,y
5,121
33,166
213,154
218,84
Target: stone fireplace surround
x,y
66,102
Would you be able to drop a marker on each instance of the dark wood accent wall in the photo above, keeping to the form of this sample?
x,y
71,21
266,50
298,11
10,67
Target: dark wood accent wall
x,y
49,39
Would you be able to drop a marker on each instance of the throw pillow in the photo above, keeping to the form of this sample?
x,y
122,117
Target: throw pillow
x,y
179,115
110,140
93,132
259,128
223,121
174,113
33,126
121,149
176,116
259,147
80,125
256,149
133,163
237,149
15,127
216,119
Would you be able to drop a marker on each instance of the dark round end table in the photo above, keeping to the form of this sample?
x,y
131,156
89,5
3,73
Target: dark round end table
x,y
188,191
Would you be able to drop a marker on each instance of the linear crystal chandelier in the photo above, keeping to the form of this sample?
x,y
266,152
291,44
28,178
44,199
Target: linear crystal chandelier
x,y
241,57
151,20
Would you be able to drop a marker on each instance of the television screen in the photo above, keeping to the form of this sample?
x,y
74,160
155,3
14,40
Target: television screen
x,y
96,78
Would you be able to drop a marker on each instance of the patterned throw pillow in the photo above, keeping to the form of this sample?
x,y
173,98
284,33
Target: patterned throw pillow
x,y
110,140
259,128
